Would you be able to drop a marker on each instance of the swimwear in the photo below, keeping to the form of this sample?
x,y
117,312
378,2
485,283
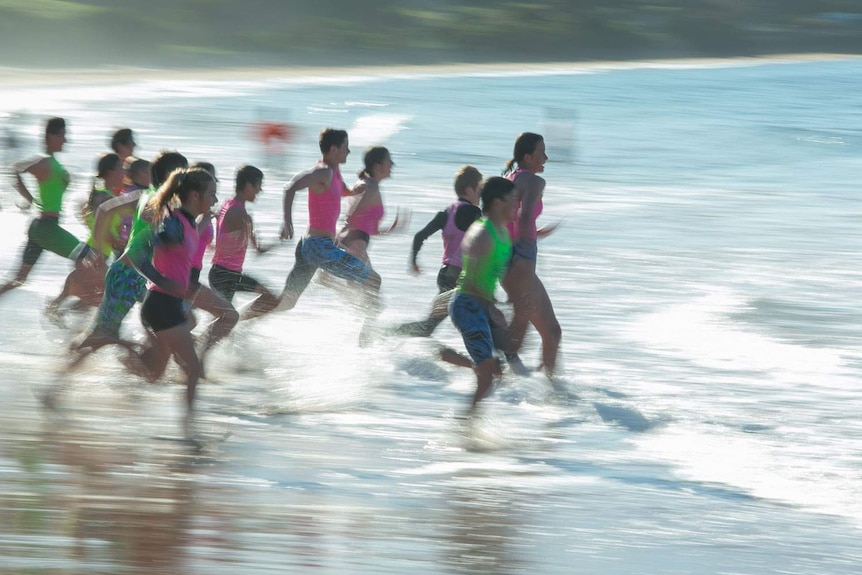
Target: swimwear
x,y
471,317
227,282
162,311
314,252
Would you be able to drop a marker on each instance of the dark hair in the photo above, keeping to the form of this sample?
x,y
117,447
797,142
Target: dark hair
x,y
525,144
122,137
165,163
247,174
494,188
180,184
134,165
373,156
205,166
107,162
55,125
331,137
466,177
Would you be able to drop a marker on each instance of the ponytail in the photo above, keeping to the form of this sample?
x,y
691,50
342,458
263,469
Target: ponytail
x,y
177,187
525,143
373,156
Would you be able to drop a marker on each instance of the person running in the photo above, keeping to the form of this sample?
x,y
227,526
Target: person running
x,y
163,310
45,232
234,231
453,222
123,143
124,285
317,248
211,301
366,209
137,173
487,249
526,291
109,176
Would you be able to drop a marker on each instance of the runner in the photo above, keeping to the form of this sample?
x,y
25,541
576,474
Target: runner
x,y
317,248
163,310
487,250
526,291
45,232
235,230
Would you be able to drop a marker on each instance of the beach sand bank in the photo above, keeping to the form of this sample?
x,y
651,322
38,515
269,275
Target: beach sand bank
x,y
33,77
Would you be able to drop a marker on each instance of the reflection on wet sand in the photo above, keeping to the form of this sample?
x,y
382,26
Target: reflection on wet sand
x,y
484,521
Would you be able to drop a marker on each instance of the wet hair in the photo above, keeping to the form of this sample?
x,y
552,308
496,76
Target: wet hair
x,y
180,184
525,144
331,137
165,163
494,188
122,137
373,156
466,177
205,166
134,166
55,126
247,174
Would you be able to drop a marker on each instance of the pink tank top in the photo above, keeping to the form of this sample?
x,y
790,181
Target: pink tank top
x,y
205,238
230,246
366,219
452,236
175,262
324,209
531,233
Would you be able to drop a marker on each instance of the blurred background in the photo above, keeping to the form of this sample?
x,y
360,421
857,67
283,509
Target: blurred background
x,y
317,32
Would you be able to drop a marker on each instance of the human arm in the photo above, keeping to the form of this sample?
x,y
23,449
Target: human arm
x,y
37,166
436,224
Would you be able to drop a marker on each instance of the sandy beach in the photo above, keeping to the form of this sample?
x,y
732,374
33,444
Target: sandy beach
x,y
30,77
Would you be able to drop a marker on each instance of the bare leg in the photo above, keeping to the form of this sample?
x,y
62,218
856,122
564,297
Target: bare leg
x,y
225,315
484,380
545,321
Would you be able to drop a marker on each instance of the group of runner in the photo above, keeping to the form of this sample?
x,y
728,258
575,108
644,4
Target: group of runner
x,y
153,221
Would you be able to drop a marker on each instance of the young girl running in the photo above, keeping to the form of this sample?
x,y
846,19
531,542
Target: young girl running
x,y
526,291
366,208
109,176
234,231
176,241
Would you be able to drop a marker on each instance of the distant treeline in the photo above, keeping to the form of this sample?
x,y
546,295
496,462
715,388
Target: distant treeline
x,y
350,32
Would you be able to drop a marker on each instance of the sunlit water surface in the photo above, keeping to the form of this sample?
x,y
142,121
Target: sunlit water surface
x,y
705,273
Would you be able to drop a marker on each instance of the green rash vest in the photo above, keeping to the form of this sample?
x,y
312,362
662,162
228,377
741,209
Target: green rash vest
x,y
90,219
141,232
485,272
52,188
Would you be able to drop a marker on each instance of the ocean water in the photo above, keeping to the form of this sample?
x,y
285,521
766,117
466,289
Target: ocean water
x,y
705,273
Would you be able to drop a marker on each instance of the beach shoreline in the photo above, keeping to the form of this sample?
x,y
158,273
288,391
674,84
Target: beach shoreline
x,y
16,77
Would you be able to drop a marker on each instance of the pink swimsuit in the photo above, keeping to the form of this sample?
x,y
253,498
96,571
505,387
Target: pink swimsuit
x,y
531,231
366,219
230,246
175,262
324,209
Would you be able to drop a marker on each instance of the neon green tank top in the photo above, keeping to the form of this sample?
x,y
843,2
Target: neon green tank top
x,y
139,236
52,188
485,273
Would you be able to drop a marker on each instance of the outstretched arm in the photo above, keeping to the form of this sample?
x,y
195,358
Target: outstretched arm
x,y
436,224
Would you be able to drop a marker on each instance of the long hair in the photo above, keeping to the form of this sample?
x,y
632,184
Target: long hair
x,y
525,144
181,183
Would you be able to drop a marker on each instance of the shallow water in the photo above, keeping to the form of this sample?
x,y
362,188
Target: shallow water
x,y
705,276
